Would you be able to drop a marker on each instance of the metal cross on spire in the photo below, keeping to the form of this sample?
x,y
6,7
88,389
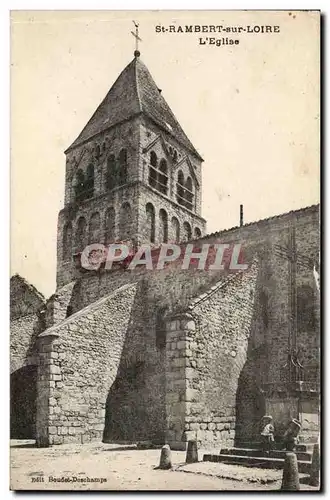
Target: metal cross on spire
x,y
137,39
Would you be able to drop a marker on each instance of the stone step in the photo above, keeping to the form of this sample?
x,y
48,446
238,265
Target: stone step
x,y
251,452
261,462
305,447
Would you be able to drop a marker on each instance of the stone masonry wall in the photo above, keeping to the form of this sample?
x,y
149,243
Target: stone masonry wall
x,y
134,137
24,298
136,401
57,305
269,239
172,209
25,322
142,408
116,199
206,350
23,335
151,135
109,142
79,359
166,291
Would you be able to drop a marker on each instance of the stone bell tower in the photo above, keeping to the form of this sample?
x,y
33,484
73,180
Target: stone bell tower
x,y
131,175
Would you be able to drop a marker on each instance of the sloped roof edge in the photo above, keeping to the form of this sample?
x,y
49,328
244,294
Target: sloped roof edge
x,y
28,285
91,307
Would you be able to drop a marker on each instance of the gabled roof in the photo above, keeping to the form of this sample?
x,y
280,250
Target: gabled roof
x,y
134,92
191,168
18,281
24,298
55,330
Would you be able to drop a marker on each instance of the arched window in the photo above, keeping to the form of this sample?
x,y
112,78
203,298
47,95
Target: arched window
x,y
153,159
189,195
110,180
198,233
67,241
94,228
122,171
110,226
306,309
79,185
158,174
152,177
186,231
180,189
80,235
90,171
97,151
163,177
84,184
89,182
125,220
175,230
163,226
153,170
150,223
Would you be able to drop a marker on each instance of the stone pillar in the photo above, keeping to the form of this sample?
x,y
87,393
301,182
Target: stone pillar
x,y
176,366
48,374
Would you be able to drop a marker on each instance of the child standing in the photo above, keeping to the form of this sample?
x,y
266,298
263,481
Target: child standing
x,y
267,433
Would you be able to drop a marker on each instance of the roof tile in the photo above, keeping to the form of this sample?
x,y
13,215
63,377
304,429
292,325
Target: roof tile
x,y
134,92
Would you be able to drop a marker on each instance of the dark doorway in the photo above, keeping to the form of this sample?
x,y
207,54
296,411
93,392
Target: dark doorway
x,y
23,388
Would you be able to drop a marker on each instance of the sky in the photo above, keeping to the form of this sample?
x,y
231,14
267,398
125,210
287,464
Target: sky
x,y
251,110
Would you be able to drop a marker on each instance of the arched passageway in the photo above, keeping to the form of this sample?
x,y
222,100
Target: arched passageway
x,y
23,389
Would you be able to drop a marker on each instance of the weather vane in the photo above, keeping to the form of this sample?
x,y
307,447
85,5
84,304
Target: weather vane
x,y
137,39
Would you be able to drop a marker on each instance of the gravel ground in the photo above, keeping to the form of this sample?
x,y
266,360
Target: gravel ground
x,y
237,473
125,468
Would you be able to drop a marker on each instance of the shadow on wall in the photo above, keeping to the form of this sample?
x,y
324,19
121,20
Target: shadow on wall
x,y
23,390
135,406
250,402
39,327
123,409
74,304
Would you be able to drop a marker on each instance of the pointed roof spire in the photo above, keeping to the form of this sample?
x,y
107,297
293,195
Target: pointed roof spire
x,y
134,92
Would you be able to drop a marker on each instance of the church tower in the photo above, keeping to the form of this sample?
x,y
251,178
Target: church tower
x,y
131,175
